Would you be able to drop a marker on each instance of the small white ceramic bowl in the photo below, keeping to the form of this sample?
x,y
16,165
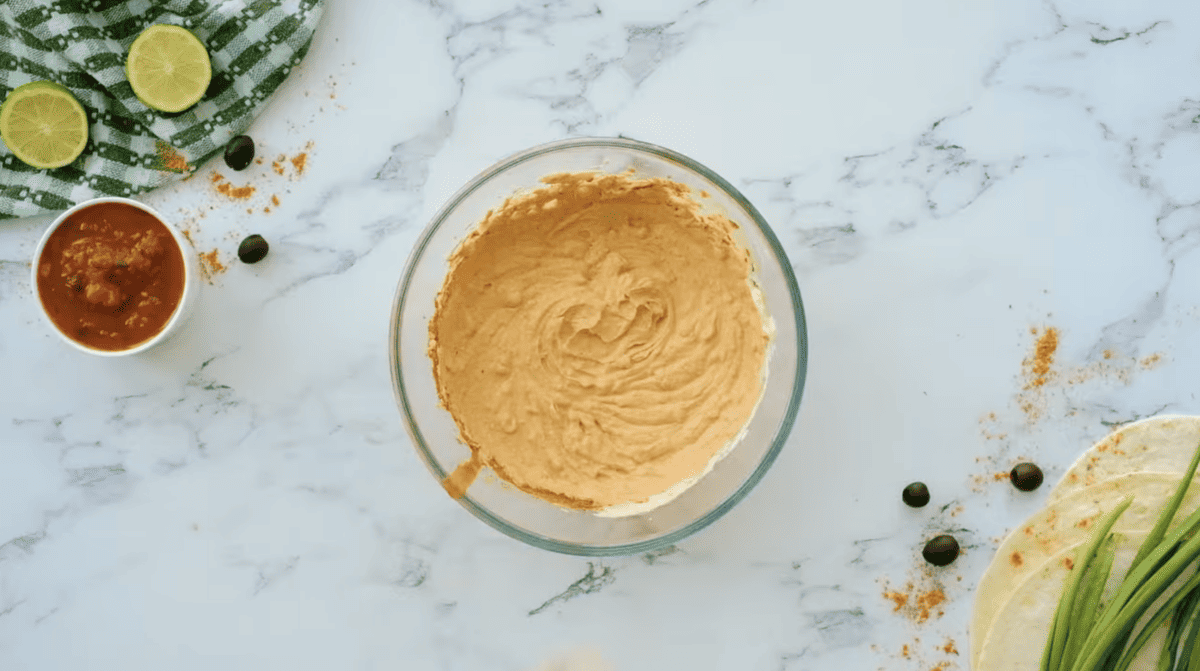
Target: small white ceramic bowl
x,y
191,280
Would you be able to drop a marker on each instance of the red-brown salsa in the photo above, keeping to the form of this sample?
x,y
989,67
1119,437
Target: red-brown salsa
x,y
111,276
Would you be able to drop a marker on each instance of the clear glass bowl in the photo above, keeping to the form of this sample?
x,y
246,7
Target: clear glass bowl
x,y
528,518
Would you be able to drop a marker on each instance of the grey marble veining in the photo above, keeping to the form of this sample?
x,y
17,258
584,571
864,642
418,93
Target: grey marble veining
x,y
949,181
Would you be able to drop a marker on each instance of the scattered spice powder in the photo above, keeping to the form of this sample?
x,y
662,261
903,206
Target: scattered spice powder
x,y
1016,559
227,189
927,602
210,263
277,164
916,605
898,598
299,161
275,200
950,648
904,652
1043,356
240,193
170,158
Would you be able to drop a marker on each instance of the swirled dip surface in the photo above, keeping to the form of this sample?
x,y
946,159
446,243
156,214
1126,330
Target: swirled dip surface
x,y
597,340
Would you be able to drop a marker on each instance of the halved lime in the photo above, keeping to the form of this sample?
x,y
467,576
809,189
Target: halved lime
x,y
168,68
43,124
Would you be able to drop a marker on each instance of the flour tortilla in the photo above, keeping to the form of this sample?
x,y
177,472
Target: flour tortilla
x,y
1062,526
1163,444
1022,626
1144,459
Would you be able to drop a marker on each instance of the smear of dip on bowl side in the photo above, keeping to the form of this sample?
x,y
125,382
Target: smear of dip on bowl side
x,y
110,276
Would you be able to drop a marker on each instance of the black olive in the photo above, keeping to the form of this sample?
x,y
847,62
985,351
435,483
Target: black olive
x,y
239,152
253,249
1026,476
941,550
916,495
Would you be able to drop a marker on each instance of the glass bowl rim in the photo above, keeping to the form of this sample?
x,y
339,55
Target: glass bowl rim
x,y
785,425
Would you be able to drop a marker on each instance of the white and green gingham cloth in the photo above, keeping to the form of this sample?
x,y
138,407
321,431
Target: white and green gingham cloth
x,y
131,148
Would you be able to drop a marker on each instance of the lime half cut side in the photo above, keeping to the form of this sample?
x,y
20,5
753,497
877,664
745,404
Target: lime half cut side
x,y
43,125
168,68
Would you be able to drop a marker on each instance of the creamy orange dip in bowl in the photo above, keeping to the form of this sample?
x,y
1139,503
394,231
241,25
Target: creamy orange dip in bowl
x,y
598,346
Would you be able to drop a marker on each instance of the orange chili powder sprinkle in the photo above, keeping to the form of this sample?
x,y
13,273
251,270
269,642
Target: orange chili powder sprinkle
x,y
898,598
240,193
1043,356
299,161
175,161
171,159
211,263
927,601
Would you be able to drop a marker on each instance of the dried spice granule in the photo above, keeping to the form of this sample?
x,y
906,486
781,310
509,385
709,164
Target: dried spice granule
x,y
1043,356
299,161
928,601
211,264
227,189
898,598
175,162
170,159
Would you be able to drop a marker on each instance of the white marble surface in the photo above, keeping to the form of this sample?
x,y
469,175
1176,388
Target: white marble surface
x,y
945,176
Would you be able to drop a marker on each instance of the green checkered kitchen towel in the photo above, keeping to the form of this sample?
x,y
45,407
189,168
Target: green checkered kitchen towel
x,y
131,148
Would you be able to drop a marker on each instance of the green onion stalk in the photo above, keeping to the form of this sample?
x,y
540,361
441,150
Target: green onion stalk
x,y
1161,559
